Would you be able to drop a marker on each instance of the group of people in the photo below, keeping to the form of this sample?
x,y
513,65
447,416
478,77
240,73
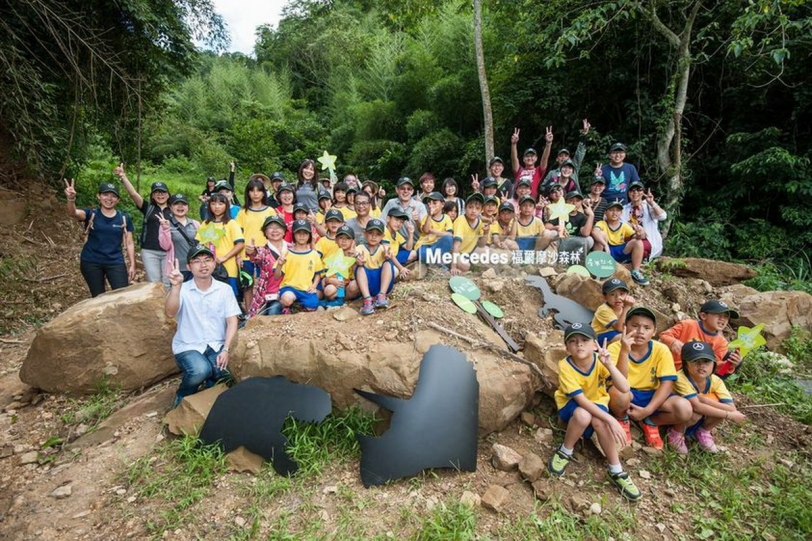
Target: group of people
x,y
616,373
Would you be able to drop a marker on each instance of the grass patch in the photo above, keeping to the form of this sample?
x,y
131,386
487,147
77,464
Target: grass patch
x,y
96,408
452,521
314,446
176,479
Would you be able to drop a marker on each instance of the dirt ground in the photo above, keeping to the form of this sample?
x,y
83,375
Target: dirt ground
x,y
80,492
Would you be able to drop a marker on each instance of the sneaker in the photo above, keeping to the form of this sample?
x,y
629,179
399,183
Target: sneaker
x,y
638,277
367,308
627,428
676,439
705,440
381,302
558,463
652,435
626,486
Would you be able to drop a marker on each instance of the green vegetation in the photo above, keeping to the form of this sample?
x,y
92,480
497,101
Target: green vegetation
x,y
93,409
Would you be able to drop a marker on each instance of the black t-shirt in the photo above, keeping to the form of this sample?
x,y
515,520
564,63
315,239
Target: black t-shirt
x,y
149,233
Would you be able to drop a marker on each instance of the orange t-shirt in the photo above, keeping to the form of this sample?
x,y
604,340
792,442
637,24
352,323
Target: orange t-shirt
x,y
691,330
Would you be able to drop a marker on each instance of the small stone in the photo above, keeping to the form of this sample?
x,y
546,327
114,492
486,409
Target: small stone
x,y
496,287
240,522
786,462
329,489
676,308
579,503
660,527
651,451
489,274
131,499
121,491
83,514
324,515
496,498
528,418
151,414
670,492
344,313
542,490
30,457
595,508
544,436
504,458
633,462
82,429
532,467
470,499
644,474
546,272
60,493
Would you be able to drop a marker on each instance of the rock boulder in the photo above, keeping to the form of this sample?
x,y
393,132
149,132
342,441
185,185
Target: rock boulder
x,y
717,273
337,365
122,338
779,311
585,291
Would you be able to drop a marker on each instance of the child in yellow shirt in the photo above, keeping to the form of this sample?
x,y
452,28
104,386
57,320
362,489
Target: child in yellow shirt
x,y
301,268
610,317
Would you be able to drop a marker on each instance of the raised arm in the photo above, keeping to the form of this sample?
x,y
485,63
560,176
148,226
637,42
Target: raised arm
x,y
514,152
134,195
70,194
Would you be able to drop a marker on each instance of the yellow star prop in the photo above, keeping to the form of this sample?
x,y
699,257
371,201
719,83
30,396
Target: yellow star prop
x,y
328,161
560,210
748,339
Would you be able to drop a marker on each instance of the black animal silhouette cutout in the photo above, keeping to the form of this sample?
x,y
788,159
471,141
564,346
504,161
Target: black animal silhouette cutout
x,y
435,428
567,311
252,413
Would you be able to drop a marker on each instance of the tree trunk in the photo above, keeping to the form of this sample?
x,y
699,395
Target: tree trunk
x,y
487,112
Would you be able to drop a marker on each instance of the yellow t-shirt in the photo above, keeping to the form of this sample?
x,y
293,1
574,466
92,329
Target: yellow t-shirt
x,y
603,319
714,388
393,240
300,268
593,383
320,217
221,238
533,229
347,212
467,235
326,247
251,222
646,373
429,239
616,236
374,259
375,213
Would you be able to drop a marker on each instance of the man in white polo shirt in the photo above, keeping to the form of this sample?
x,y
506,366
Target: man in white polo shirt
x,y
207,312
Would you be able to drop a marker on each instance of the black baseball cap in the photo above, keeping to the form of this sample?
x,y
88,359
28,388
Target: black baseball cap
x,y
351,189
375,224
530,150
178,198
496,159
397,212
302,225
346,231
567,162
324,195
274,220
635,184
159,187
574,193
718,307
435,196
200,249
300,206
489,182
524,181
108,187
697,351
507,206
641,311
221,185
564,150
525,199
616,203
556,186
277,176
598,180
284,187
490,199
476,196
333,214
617,146
613,284
584,329
405,180
340,187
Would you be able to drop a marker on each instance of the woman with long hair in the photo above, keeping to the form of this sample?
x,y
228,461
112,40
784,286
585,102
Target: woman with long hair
x,y
307,187
223,236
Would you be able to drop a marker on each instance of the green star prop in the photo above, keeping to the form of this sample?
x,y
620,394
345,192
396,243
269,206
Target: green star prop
x,y
211,234
338,263
748,339
328,161
560,210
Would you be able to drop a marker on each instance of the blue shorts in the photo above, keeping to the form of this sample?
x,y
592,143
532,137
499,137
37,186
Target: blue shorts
x,y
526,243
641,398
691,430
608,335
403,256
374,279
235,287
569,408
251,268
309,301
618,255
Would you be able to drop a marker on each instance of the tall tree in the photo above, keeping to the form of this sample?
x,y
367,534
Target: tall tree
x,y
487,112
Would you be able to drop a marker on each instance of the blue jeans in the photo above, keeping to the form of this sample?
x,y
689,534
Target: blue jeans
x,y
154,266
197,368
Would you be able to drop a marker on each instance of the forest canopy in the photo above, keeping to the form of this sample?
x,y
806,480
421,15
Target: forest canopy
x,y
712,98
